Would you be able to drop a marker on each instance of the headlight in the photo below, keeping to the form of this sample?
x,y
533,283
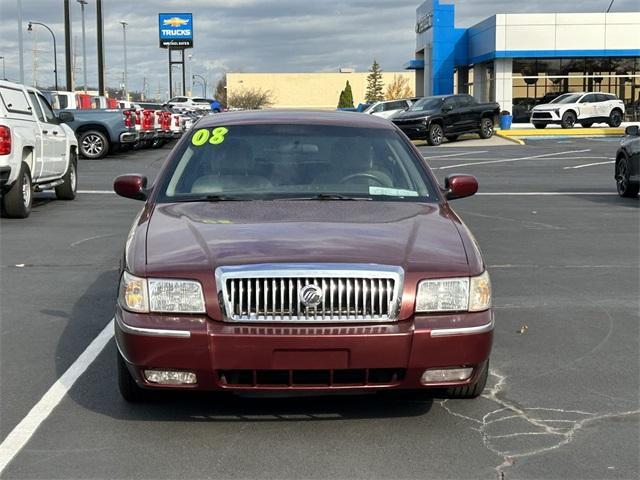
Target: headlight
x,y
160,295
454,294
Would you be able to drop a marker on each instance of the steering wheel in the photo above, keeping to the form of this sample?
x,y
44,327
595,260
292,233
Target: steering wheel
x,y
369,176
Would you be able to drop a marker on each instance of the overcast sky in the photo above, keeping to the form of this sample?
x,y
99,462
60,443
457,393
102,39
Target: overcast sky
x,y
244,35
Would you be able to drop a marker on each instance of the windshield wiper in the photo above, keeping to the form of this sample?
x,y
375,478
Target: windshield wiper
x,y
214,198
326,196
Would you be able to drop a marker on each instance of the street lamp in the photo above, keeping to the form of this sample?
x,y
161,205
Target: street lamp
x,y
84,44
124,42
204,83
55,51
4,73
189,57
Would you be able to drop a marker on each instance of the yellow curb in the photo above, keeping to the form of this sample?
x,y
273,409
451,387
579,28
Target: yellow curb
x,y
564,132
500,134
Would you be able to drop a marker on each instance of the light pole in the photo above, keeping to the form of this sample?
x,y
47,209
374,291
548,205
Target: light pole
x,y
4,73
84,44
55,50
124,42
204,83
189,57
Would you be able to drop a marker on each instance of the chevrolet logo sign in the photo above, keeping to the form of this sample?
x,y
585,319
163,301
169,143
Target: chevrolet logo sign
x,y
175,22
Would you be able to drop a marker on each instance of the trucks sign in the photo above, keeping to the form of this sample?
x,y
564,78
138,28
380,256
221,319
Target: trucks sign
x,y
176,30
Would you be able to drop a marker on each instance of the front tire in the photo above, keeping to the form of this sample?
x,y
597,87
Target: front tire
x,y
540,126
18,199
435,135
624,185
93,144
486,128
568,120
472,390
615,118
67,191
129,389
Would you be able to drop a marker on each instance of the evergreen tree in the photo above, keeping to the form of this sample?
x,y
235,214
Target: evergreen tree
x,y
375,86
346,97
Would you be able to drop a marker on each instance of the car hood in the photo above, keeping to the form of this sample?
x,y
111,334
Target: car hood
x,y
409,115
547,106
418,237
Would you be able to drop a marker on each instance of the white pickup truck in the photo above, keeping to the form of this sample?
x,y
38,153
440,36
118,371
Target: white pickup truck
x,y
38,151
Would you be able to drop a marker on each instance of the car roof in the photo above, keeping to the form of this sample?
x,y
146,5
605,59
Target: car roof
x,y
298,117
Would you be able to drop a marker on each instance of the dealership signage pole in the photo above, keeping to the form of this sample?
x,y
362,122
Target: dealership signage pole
x,y
84,44
20,45
176,34
100,35
67,45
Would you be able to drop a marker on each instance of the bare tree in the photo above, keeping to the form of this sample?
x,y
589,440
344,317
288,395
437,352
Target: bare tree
x,y
221,90
399,88
250,99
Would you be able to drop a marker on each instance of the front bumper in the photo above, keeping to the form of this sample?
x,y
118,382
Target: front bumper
x,y
232,356
413,130
545,116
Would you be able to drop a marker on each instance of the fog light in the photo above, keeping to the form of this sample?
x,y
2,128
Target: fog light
x,y
446,375
170,377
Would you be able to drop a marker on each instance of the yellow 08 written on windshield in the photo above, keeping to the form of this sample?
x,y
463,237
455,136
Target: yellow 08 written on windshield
x,y
214,137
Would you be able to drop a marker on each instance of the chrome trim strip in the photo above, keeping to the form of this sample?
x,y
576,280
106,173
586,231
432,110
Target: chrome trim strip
x,y
151,332
312,270
449,332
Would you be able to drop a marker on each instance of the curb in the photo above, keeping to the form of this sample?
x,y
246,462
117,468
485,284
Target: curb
x,y
560,132
509,138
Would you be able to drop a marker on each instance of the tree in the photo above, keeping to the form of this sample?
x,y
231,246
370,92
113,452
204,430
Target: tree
x,y
375,86
221,90
250,99
346,97
399,88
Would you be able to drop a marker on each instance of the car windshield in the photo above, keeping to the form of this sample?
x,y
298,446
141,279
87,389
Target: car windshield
x,y
296,161
567,98
429,103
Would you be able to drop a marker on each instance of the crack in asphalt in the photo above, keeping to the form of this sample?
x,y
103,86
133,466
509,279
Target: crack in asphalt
x,y
541,429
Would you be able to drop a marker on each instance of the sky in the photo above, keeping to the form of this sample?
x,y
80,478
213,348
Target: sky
x,y
241,35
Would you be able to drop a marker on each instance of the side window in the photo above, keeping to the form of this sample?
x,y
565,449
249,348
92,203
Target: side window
x,y
15,100
392,106
46,109
377,108
591,98
450,103
36,106
462,101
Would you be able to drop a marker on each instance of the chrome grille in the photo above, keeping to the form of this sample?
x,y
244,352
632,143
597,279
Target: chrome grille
x,y
348,293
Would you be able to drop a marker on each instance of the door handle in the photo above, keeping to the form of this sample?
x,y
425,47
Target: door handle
x,y
45,131
55,132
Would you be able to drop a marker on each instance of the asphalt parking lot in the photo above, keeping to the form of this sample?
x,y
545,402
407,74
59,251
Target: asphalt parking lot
x,y
562,399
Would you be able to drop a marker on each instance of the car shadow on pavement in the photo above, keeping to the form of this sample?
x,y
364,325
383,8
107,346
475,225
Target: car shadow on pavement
x,y
97,389
613,200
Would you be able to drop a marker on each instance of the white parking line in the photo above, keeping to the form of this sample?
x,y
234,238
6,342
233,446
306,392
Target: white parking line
x,y
590,164
22,432
460,154
533,194
504,160
97,192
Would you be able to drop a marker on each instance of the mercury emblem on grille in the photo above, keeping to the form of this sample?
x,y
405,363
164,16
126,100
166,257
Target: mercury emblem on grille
x,y
311,295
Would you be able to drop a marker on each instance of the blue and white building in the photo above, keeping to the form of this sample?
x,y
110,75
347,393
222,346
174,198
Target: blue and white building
x,y
518,59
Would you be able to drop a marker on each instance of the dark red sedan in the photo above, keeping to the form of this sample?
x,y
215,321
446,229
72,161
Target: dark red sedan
x,y
294,250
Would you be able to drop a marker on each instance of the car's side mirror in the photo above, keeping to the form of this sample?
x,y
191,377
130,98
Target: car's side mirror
x,y
66,117
460,186
131,186
632,130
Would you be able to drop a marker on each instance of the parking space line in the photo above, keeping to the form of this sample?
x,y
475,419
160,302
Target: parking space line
x,y
22,432
533,194
97,192
459,154
504,160
590,164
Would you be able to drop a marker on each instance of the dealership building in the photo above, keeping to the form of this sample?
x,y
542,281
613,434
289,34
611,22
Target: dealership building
x,y
520,59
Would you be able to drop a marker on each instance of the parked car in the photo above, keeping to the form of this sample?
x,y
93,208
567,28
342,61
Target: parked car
x,y
447,116
360,108
583,108
388,108
627,166
351,272
522,107
38,151
197,103
102,131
